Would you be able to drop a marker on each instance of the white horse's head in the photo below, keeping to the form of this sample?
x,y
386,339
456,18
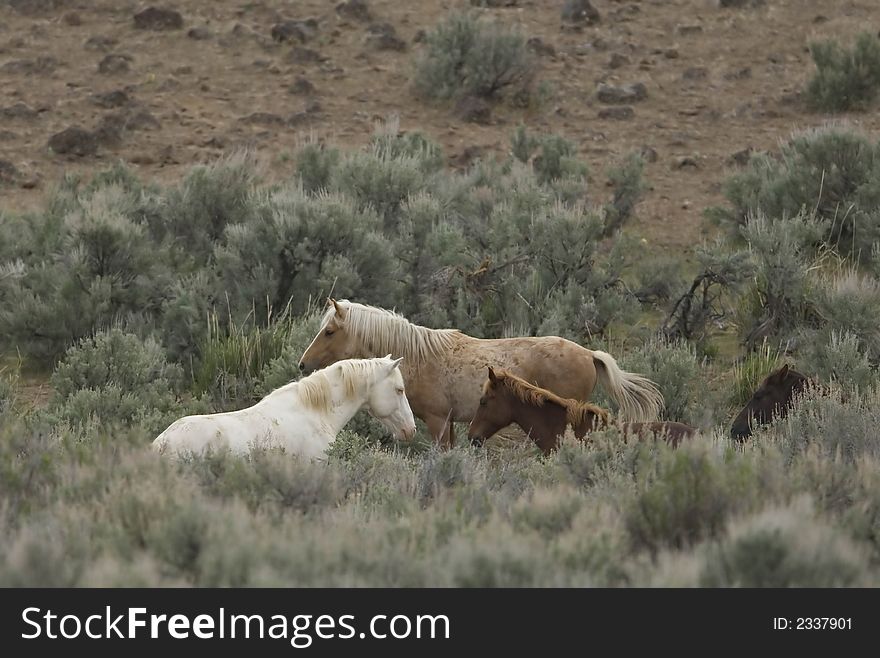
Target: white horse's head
x,y
387,400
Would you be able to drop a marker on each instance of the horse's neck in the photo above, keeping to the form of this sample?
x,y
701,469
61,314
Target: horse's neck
x,y
343,406
543,424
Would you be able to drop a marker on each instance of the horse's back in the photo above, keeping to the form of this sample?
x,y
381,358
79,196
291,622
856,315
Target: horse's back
x,y
197,434
671,431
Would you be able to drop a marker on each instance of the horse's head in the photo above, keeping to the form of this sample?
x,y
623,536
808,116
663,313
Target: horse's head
x,y
387,400
495,410
772,398
332,343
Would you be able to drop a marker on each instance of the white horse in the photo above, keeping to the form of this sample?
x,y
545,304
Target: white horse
x,y
302,417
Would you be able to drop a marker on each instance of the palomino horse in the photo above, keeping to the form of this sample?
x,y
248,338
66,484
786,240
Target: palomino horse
x,y
544,416
445,368
303,417
773,397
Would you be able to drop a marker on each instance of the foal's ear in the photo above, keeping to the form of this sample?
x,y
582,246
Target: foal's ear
x,y
492,376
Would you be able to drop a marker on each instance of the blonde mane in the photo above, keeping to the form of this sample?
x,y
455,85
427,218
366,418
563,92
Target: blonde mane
x,y
385,332
314,391
577,412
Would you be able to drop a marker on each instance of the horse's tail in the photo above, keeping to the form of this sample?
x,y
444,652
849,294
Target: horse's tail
x,y
637,396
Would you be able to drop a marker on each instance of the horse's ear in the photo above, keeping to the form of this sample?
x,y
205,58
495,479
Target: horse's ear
x,y
340,312
782,373
492,376
395,364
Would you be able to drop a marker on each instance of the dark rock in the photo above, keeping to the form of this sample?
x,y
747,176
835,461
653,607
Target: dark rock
x,y
694,73
110,129
420,36
630,93
356,10
540,47
299,31
9,173
263,119
186,69
114,63
617,60
301,87
111,99
618,113
199,33
383,36
740,3
741,158
820,18
215,142
648,154
19,111
142,120
685,30
300,55
100,43
686,161
580,12
74,141
474,109
156,18
670,53
72,18
38,66
740,74
494,4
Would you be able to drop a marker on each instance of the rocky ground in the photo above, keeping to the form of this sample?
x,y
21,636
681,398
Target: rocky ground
x,y
693,84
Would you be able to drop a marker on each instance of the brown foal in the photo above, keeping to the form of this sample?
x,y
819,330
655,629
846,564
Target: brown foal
x,y
544,416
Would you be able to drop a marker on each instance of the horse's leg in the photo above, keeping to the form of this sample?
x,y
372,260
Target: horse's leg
x,y
441,430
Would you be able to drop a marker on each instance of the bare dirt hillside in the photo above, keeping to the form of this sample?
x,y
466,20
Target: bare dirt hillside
x,y
718,80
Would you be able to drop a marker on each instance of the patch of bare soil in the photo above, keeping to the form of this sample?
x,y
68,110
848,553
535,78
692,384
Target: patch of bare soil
x,y
86,82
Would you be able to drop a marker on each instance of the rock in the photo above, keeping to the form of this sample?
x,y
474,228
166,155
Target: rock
x,y
7,136
686,30
74,141
685,161
580,12
538,46
494,4
356,10
740,3
142,120
156,18
467,157
648,154
100,43
9,173
618,113
111,99
186,69
694,73
114,63
420,36
670,53
617,60
39,66
19,111
109,129
300,55
199,33
299,31
631,93
34,7
739,74
383,36
263,119
474,109
741,158
301,87
72,19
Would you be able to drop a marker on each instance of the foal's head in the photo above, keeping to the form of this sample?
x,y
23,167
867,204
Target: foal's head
x,y
772,398
496,410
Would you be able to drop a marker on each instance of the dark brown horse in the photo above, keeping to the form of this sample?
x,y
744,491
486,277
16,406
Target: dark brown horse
x,y
544,416
771,399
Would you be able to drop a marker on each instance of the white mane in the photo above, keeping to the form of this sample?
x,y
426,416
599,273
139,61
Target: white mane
x,y
314,391
385,332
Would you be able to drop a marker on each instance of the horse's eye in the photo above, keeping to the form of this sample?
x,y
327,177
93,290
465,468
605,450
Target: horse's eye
x,y
328,333
482,402
400,391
